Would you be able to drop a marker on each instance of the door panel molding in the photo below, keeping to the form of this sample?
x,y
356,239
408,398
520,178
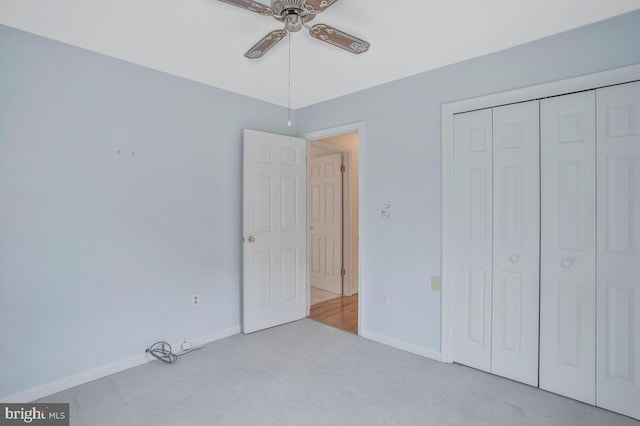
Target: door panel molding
x,y
325,224
618,288
516,248
274,226
568,245
473,238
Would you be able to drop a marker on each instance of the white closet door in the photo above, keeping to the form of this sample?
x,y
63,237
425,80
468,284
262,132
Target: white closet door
x,y
516,242
618,290
472,238
568,246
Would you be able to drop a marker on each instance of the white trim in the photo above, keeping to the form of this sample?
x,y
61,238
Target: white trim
x,y
212,337
398,344
576,84
106,370
546,90
336,131
78,379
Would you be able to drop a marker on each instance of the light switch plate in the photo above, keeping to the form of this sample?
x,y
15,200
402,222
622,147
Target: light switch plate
x,y
385,211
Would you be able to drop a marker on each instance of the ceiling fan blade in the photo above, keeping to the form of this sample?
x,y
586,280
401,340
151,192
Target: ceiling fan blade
x,y
317,6
252,6
339,38
264,45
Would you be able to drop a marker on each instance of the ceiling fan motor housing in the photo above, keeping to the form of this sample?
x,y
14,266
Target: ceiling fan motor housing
x,y
287,7
293,13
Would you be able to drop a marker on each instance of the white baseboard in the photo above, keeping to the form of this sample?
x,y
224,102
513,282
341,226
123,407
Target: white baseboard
x,y
78,379
399,344
107,370
212,337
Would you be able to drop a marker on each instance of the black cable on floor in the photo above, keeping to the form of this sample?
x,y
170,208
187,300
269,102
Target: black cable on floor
x,y
162,351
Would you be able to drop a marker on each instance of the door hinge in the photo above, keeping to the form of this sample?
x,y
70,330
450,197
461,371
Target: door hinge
x,y
343,168
343,272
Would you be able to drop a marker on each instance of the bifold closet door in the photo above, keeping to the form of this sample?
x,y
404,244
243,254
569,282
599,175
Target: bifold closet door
x,y
568,246
516,242
497,199
618,288
472,238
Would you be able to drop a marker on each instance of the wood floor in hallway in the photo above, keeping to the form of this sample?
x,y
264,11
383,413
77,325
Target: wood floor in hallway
x,y
341,312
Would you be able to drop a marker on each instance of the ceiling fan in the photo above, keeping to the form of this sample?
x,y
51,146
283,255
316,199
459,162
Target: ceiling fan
x,y
296,14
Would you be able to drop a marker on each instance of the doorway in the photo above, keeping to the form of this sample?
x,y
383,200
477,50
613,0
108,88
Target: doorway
x,y
333,195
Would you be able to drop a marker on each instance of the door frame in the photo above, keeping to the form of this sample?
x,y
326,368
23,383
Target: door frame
x,y
346,237
357,127
541,91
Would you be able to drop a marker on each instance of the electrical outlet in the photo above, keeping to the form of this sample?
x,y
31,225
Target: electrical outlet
x,y
195,299
186,345
435,284
385,299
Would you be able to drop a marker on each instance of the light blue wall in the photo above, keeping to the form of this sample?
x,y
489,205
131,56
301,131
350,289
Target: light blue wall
x,y
100,252
401,160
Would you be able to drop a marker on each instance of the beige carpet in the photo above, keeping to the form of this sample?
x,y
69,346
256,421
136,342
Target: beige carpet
x,y
306,373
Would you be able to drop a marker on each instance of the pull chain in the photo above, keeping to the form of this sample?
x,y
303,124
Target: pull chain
x,y
289,122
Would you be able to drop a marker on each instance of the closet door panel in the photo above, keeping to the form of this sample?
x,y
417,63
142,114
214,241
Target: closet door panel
x,y
568,246
618,288
472,239
516,237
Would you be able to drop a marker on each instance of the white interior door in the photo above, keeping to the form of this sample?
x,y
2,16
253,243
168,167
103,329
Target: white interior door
x,y
618,288
516,242
472,239
274,230
326,223
568,246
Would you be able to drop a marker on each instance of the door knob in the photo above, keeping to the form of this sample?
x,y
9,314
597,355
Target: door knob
x,y
515,258
567,262
251,239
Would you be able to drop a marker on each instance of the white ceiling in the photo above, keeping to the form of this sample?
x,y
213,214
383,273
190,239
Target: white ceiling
x,y
204,40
